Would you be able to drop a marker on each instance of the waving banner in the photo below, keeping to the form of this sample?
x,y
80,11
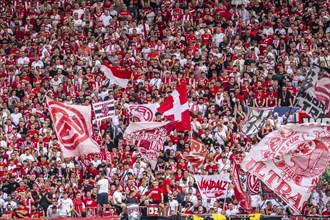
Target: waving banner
x,y
73,128
104,110
302,117
255,120
291,160
242,196
314,94
149,137
197,154
142,113
213,186
252,184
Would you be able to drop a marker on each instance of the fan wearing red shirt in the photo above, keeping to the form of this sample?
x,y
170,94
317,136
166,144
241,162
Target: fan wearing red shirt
x,y
21,211
35,213
156,195
259,98
271,99
326,212
123,14
89,201
206,37
21,188
79,206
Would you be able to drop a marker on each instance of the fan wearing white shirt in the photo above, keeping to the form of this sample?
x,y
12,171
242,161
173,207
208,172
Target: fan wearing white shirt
x,y
156,81
170,146
65,205
174,204
37,62
23,60
105,18
102,191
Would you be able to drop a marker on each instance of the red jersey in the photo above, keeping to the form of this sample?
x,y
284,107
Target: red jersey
x,y
155,194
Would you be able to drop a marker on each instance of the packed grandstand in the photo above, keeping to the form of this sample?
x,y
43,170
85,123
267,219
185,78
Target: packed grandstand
x,y
232,55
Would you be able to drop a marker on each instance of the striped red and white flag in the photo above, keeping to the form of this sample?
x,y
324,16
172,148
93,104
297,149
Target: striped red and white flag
x,y
118,76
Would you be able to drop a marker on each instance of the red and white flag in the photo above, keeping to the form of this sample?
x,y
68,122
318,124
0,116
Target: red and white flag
x,y
242,197
116,75
144,112
291,160
322,90
252,184
104,110
314,93
175,107
213,186
197,153
149,137
72,124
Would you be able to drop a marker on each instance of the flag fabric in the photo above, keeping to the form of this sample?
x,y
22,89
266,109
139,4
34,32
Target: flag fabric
x,y
291,160
175,107
197,154
213,186
302,117
133,212
118,76
104,110
314,94
255,120
142,113
149,137
252,184
242,197
72,124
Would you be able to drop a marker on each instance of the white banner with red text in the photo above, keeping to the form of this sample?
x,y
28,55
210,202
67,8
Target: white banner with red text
x,y
291,160
213,186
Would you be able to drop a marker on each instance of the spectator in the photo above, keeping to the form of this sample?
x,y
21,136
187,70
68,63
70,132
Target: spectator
x,y
232,55
65,205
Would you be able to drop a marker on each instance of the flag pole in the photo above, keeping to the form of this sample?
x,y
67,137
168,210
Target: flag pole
x,y
225,202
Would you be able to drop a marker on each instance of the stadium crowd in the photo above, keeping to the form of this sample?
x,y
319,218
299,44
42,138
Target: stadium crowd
x,y
232,55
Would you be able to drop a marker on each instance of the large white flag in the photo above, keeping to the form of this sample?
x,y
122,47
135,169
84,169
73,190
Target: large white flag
x,y
291,160
149,137
140,113
73,128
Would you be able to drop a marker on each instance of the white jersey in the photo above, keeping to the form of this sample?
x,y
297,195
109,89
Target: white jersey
x,y
65,209
104,186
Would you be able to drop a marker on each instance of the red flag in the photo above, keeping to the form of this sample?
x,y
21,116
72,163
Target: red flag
x,y
197,153
241,196
118,76
149,136
73,128
175,107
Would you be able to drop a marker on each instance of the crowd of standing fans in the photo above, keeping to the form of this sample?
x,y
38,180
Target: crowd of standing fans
x,y
232,55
